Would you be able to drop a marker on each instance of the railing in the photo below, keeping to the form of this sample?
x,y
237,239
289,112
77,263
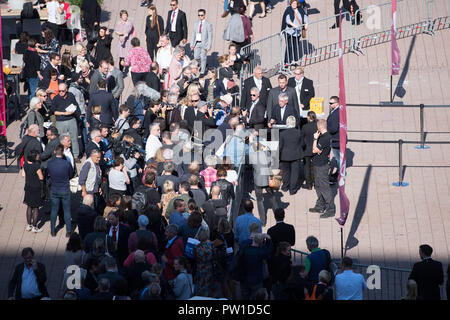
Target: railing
x,y
368,26
392,280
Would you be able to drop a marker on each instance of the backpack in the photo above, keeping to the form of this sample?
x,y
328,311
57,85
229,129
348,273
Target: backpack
x,y
313,294
24,125
139,200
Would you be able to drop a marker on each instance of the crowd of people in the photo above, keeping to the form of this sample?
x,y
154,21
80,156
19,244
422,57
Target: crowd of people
x,y
158,169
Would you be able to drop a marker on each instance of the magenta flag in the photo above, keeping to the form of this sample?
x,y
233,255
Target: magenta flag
x,y
395,52
344,202
2,90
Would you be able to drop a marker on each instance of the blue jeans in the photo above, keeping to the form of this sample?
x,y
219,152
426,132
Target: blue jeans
x,y
32,84
56,198
225,5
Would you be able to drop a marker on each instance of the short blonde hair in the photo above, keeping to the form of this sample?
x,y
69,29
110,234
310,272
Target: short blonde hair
x,y
79,47
291,122
97,109
85,64
128,138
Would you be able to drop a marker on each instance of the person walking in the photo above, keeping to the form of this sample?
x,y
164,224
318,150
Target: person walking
x,y
34,187
60,171
125,30
139,60
201,39
176,27
154,28
308,131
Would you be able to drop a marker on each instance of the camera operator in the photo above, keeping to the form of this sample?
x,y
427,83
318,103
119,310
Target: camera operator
x,y
131,154
185,81
151,115
135,131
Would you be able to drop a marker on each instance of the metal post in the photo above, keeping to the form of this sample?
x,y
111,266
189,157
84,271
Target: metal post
x,y
342,243
422,130
400,182
392,97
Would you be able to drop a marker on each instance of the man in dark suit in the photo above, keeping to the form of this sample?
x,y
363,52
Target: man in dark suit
x,y
205,115
104,99
255,114
176,25
282,111
304,88
85,216
94,144
119,233
272,100
428,274
55,60
290,157
190,114
151,79
150,116
53,141
258,81
281,231
333,130
28,280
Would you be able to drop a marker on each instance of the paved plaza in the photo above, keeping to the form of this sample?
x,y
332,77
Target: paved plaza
x,y
386,224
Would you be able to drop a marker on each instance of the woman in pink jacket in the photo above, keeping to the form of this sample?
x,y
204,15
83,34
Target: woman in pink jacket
x,y
139,60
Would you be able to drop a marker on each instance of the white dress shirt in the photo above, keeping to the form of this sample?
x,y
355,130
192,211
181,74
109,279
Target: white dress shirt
x,y
69,156
152,145
173,21
258,83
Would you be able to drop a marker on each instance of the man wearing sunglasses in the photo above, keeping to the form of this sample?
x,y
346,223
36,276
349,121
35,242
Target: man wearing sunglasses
x,y
201,39
333,129
176,25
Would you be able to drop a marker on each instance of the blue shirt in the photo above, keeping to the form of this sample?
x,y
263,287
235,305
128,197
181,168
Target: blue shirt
x,y
243,222
60,172
349,286
29,287
177,218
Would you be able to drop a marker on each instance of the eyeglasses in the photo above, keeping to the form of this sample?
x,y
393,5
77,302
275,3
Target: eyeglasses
x,y
253,95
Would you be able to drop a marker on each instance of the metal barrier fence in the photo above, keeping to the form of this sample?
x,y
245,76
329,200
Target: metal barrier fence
x,y
393,280
367,27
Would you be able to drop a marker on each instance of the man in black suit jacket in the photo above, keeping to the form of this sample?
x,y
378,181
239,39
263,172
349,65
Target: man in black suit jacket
x,y
205,116
85,216
104,99
290,157
282,111
333,130
255,114
428,274
190,114
304,88
94,144
151,79
37,273
259,81
119,233
53,140
176,26
274,93
281,231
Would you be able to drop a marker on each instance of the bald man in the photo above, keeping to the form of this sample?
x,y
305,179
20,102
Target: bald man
x,y
259,81
66,110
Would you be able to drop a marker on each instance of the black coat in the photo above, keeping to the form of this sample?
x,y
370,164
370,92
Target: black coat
x,y
246,101
122,243
106,100
429,275
148,120
207,123
190,117
282,232
154,33
15,284
226,189
91,147
290,111
91,12
103,49
308,131
133,276
49,151
28,144
272,100
136,136
181,24
307,91
257,120
333,127
85,220
152,80
32,64
290,142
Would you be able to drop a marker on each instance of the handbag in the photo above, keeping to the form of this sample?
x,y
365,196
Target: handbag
x,y
303,33
275,181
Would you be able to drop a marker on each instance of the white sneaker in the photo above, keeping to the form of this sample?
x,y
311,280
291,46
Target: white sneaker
x,y
36,230
29,227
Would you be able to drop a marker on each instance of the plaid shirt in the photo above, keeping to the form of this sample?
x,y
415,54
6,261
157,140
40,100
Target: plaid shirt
x,y
210,175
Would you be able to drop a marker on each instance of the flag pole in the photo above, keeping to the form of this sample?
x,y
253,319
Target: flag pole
x,y
342,242
392,97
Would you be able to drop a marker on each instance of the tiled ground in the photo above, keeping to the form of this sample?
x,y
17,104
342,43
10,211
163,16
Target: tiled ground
x,y
386,224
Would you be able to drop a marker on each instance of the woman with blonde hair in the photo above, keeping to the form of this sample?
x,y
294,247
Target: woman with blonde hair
x,y
411,290
169,194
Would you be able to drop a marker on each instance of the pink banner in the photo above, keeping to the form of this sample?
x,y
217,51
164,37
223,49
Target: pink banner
x,y
395,52
2,90
344,202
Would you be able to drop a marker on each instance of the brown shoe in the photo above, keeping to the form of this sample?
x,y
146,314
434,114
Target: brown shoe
x,y
224,14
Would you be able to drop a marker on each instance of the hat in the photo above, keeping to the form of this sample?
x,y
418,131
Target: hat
x,y
142,220
201,104
228,99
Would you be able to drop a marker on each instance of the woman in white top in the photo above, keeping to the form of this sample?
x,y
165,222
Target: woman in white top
x,y
118,178
295,19
232,175
55,13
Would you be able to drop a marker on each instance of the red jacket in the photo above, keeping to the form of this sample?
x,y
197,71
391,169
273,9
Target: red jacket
x,y
175,250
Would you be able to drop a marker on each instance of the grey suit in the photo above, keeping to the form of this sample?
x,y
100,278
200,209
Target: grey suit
x,y
272,100
260,161
200,47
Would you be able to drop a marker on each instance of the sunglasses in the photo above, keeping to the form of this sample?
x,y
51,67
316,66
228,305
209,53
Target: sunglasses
x,y
195,100
44,95
62,90
253,95
173,5
201,15
331,102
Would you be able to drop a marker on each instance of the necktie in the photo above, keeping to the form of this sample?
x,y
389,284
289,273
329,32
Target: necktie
x,y
251,110
173,18
114,236
201,25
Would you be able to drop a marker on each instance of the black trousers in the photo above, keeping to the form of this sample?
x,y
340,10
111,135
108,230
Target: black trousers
x,y
175,38
296,47
308,173
138,76
292,175
152,48
260,202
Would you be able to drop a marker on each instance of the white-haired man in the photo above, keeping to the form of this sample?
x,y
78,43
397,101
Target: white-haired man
x,y
153,141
